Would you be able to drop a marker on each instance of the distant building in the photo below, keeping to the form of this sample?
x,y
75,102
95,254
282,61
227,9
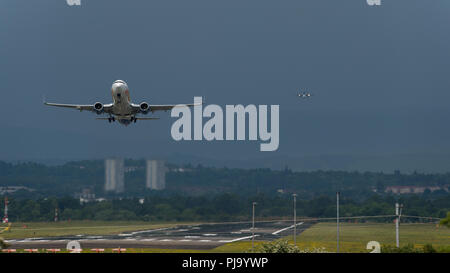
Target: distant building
x,y
412,189
156,175
83,201
114,175
12,189
180,170
86,195
131,169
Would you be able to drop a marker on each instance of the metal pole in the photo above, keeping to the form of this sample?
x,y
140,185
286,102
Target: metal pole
x,y
295,219
337,222
397,239
5,217
253,225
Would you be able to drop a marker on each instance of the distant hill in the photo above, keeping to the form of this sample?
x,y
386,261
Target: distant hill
x,y
422,163
73,177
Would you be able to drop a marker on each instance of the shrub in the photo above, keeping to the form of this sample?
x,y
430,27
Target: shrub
x,y
428,248
3,244
283,246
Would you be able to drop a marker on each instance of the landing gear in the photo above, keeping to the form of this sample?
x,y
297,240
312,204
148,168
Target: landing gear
x,y
133,119
111,119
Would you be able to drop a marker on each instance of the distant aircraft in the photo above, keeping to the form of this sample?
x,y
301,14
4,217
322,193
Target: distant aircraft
x,y
122,109
304,95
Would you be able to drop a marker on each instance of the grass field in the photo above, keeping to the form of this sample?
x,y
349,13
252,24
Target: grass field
x,y
47,229
353,237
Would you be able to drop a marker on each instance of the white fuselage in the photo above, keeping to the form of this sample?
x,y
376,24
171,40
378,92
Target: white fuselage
x,y
121,102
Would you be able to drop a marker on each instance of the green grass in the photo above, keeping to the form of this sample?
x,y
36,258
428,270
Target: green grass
x,y
51,229
354,237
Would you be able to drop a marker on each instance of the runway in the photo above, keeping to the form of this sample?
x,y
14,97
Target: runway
x,y
203,236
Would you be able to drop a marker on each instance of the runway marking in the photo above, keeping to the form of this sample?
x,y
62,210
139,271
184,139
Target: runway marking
x,y
191,236
149,230
205,241
289,227
166,240
148,240
185,240
238,239
209,234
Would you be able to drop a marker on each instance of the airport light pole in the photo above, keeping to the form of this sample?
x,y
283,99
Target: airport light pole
x,y
253,224
397,223
337,221
295,219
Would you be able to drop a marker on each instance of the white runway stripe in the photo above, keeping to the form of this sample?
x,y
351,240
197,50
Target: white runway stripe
x,y
235,240
281,230
147,231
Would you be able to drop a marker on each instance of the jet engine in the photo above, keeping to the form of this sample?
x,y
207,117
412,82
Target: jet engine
x,y
144,107
98,107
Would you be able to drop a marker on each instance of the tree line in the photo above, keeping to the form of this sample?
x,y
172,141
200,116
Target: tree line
x,y
73,177
221,207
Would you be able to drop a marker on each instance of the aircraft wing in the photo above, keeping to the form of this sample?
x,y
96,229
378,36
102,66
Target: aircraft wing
x,y
162,107
86,107
169,107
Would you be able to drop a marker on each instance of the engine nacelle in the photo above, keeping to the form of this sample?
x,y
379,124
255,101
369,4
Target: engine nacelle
x,y
144,107
98,107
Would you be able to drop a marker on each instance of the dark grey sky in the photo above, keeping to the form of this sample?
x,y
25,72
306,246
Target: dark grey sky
x,y
380,75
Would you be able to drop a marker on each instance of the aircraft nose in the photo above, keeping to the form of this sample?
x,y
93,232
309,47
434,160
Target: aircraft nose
x,y
117,87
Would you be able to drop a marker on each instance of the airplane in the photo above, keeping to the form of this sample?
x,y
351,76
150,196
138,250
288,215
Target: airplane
x,y
304,95
122,109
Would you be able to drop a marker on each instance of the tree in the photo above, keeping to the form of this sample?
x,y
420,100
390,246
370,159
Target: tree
x,y
3,245
446,221
279,246
283,246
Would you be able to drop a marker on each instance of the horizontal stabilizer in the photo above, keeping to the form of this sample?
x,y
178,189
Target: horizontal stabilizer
x,y
146,118
135,118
